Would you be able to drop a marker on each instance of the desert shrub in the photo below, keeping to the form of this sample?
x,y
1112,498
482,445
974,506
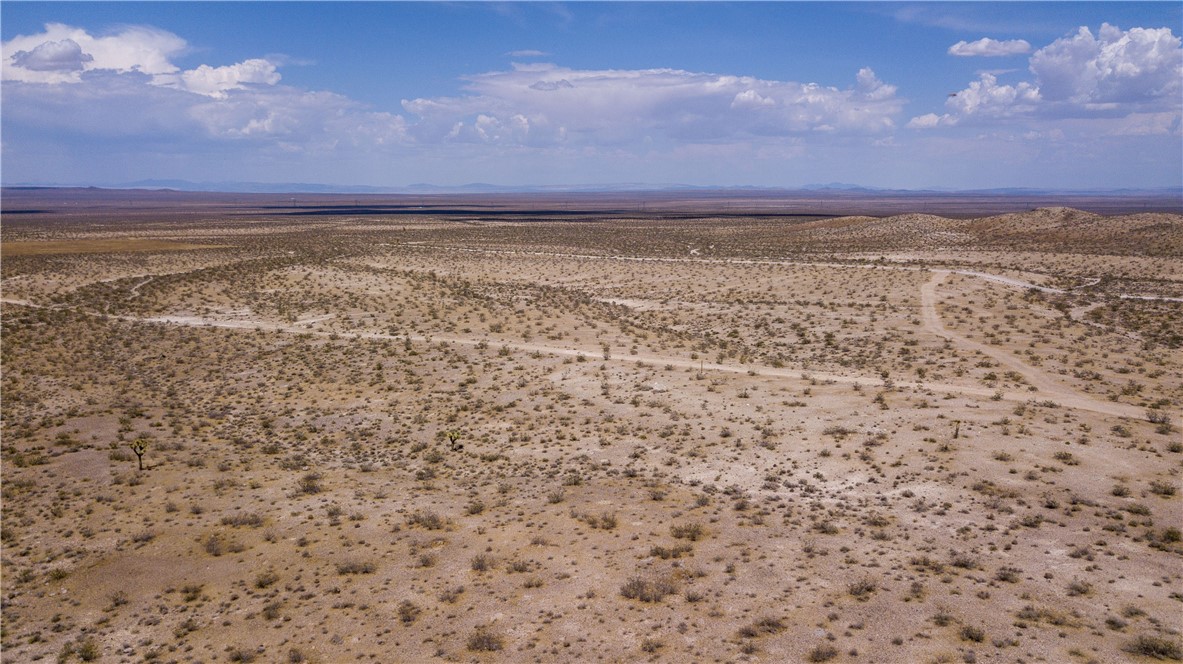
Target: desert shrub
x,y
408,612
691,531
215,545
765,625
1157,417
309,484
251,519
482,640
428,520
963,560
823,653
972,633
672,552
1008,574
1078,587
1164,489
1066,458
651,645
647,590
1156,647
86,650
606,520
355,567
190,592
241,655
862,588
452,594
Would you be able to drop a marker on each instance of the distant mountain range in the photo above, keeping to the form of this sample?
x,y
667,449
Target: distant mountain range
x,y
486,188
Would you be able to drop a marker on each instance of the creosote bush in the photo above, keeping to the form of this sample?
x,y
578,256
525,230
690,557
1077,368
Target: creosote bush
x,y
1153,646
355,567
482,640
647,590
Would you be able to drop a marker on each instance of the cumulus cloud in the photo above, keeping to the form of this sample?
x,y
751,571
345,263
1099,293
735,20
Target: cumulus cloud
x,y
62,54
542,104
988,47
528,53
128,78
930,120
216,81
1138,66
125,84
986,97
55,56
1116,74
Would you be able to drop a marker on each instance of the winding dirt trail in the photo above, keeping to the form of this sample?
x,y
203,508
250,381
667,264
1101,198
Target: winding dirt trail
x,y
1046,386
1048,390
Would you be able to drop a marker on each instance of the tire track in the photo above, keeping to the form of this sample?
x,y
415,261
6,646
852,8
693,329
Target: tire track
x,y
1045,385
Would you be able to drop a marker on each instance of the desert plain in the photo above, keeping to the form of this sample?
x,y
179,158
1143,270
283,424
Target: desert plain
x,y
273,430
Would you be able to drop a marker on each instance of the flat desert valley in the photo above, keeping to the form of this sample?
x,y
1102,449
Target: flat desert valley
x,y
331,430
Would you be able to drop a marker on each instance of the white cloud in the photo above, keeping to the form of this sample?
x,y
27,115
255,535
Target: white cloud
x,y
137,48
988,47
62,54
1139,66
1135,74
528,53
985,97
215,81
931,120
54,56
604,107
751,99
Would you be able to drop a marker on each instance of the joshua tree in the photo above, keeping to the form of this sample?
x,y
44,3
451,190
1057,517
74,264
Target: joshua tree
x,y
453,436
139,447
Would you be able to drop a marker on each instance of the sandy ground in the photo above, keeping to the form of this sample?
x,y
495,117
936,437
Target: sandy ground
x,y
522,442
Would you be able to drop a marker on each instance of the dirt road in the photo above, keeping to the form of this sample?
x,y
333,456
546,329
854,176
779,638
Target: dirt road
x,y
1048,388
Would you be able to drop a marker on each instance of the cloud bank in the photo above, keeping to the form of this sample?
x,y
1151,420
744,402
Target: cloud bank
x,y
130,74
545,104
73,98
126,83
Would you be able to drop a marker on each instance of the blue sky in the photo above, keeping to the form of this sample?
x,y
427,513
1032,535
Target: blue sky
x,y
910,95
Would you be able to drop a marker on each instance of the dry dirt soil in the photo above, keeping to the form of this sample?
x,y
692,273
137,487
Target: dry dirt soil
x,y
464,438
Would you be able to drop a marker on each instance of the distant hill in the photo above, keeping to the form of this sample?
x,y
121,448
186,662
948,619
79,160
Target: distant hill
x,y
836,188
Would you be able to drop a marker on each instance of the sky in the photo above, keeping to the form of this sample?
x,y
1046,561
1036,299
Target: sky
x,y
904,95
